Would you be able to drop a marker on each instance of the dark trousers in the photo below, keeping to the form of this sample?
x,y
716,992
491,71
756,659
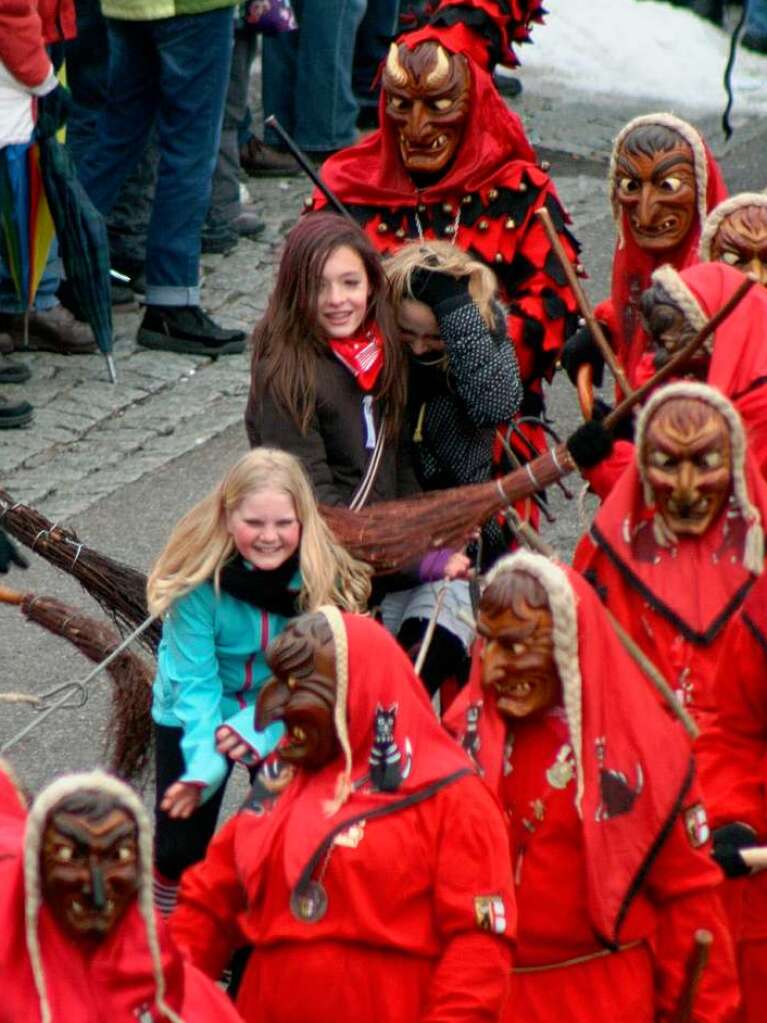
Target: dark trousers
x,y
179,843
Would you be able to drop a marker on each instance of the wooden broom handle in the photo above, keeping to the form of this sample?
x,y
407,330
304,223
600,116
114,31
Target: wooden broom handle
x,y
755,858
9,596
583,303
585,387
682,357
696,965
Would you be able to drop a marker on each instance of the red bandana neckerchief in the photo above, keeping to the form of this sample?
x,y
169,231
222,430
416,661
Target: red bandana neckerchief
x,y
362,354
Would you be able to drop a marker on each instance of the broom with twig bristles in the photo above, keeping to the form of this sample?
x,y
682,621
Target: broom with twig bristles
x,y
389,536
119,589
393,534
129,730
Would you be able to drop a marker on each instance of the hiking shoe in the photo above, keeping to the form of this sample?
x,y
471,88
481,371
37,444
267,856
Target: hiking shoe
x,y
259,160
187,329
49,330
14,414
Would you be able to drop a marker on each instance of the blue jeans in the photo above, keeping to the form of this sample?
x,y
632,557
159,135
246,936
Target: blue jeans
x,y
172,73
307,75
376,31
756,18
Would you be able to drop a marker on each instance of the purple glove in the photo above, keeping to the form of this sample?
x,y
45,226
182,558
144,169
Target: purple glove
x,y
432,565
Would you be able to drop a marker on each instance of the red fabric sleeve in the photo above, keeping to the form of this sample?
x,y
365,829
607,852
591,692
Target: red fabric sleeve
x,y
731,754
473,881
603,477
683,883
22,49
204,924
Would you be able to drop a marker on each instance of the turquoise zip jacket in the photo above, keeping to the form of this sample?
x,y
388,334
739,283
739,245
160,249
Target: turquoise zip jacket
x,y
210,670
153,10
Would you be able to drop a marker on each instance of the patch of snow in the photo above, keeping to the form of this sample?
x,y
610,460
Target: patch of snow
x,y
640,49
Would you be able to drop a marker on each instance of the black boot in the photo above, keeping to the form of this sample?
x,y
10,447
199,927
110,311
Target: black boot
x,y
13,414
187,329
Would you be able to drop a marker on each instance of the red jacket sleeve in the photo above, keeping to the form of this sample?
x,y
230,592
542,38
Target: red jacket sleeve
x,y
22,49
474,906
204,924
731,754
603,477
683,883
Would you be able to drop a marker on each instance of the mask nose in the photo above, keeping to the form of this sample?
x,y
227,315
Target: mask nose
x,y
646,208
98,889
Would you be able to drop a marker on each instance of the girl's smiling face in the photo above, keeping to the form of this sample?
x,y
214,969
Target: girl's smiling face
x,y
265,528
342,302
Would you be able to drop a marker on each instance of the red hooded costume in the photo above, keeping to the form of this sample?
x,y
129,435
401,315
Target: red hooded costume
x,y
732,755
133,975
608,835
675,597
419,911
738,366
633,265
485,201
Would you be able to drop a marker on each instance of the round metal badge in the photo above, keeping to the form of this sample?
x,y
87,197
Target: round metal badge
x,y
310,903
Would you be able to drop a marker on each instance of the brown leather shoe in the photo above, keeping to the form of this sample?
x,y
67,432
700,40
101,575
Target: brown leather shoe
x,y
261,161
50,330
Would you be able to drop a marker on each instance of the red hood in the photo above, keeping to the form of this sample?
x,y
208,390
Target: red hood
x,y
372,172
381,678
631,796
633,267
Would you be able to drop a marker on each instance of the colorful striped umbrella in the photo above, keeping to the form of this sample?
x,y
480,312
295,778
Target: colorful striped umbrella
x,y
25,218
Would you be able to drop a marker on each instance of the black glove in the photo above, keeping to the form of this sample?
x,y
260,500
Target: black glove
x,y
581,348
52,111
432,287
9,555
728,841
590,444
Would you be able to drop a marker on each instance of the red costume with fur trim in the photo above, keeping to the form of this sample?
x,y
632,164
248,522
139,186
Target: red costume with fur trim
x,y
732,756
675,602
738,366
485,202
633,265
420,910
112,982
623,865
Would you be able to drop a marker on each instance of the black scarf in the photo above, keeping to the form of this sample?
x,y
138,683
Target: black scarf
x,y
265,589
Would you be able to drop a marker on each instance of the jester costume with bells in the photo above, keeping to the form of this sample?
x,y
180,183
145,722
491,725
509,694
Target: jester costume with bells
x,y
609,837
369,868
451,161
678,543
79,939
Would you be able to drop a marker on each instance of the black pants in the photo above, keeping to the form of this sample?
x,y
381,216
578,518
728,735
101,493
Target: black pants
x,y
180,842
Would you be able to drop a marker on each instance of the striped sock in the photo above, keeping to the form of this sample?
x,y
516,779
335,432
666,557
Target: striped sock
x,y
165,893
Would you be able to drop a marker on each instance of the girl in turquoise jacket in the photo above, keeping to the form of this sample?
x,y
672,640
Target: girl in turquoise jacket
x,y
247,558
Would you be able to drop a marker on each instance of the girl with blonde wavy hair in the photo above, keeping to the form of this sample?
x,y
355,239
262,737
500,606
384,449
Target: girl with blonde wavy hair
x,y
248,557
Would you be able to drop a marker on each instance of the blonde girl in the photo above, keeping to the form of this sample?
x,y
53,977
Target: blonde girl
x,y
242,562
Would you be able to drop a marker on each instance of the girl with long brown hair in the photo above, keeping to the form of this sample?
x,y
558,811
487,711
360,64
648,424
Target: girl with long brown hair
x,y
328,373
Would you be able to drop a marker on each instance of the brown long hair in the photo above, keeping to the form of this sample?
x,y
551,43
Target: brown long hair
x,y
287,341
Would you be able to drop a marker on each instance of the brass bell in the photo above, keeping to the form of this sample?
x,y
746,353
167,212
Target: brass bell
x,y
510,223
492,194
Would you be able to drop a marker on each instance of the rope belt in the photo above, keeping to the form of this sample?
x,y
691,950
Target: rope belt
x,y
578,959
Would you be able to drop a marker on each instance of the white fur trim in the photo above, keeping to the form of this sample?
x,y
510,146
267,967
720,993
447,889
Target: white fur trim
x,y
340,717
693,139
720,212
562,603
671,282
753,552
51,795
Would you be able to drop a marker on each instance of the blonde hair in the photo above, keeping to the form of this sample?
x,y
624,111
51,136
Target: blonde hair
x,y
201,543
447,259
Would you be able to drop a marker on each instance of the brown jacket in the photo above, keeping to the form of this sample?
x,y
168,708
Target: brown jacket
x,y
332,450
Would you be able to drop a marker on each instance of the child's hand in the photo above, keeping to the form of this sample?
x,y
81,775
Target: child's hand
x,y
458,567
181,799
233,746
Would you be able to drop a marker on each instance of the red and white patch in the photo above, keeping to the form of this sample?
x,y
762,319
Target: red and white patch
x,y
696,825
490,913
